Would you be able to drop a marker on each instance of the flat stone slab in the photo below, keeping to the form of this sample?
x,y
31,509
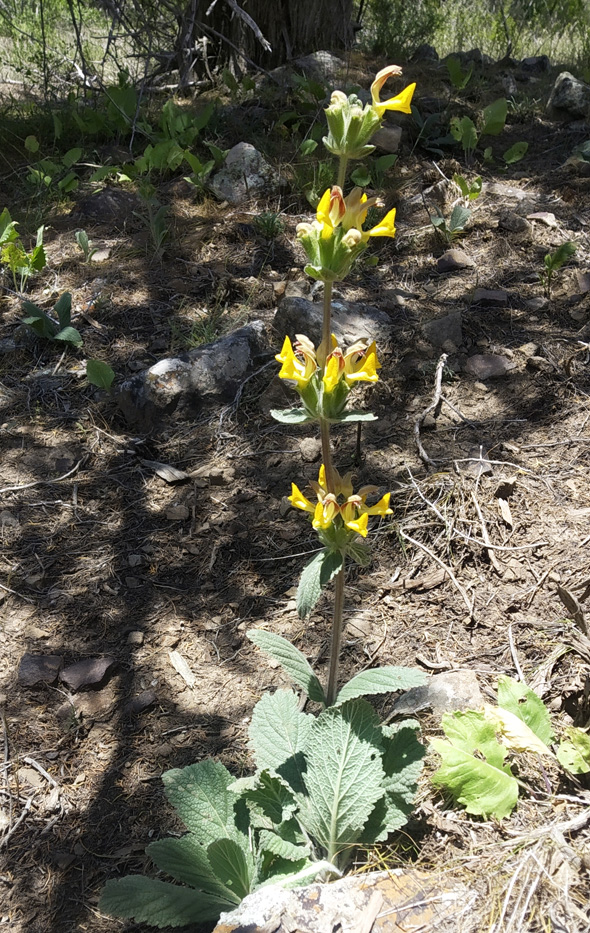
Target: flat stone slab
x,y
393,901
39,669
350,320
446,692
86,673
488,366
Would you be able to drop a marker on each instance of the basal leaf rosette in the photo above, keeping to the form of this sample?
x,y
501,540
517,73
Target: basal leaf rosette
x,y
351,125
336,237
323,377
341,515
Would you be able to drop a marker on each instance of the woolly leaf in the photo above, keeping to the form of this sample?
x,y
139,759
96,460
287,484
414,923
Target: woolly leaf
x,y
380,680
200,795
574,755
515,153
344,775
291,659
315,575
291,415
276,845
232,865
186,860
146,900
270,796
278,733
402,763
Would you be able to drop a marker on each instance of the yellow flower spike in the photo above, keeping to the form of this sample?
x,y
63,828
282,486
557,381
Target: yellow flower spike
x,y
298,500
403,100
385,227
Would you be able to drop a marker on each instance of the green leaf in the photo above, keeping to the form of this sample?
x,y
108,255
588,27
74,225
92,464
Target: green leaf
x,y
232,865
459,78
32,144
561,255
402,762
459,217
291,415
146,900
291,659
380,680
186,861
317,574
487,154
461,184
8,227
63,309
282,848
359,552
574,755
494,117
99,374
361,176
278,733
200,795
523,702
515,153
269,794
308,146
350,416
344,775
71,157
473,768
70,335
385,162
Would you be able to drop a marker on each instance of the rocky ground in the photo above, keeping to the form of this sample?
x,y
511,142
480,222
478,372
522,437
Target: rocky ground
x,y
143,535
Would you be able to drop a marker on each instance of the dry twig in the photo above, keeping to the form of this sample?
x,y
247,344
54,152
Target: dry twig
x,y
433,405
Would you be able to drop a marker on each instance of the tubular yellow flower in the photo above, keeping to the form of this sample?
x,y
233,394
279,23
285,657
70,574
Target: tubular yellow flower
x,y
298,500
333,370
361,363
330,210
360,525
357,204
401,103
381,508
300,371
385,227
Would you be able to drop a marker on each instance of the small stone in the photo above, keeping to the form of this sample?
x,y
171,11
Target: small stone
x,y
453,260
569,99
536,64
529,349
488,366
544,217
177,512
244,174
491,296
132,583
443,329
97,704
540,364
135,560
537,304
86,673
311,449
100,255
387,138
31,776
135,638
39,669
451,690
512,222
141,702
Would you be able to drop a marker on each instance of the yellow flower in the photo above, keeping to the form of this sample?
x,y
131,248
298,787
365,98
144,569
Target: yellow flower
x,y
298,500
340,507
357,204
333,370
402,102
361,363
385,227
330,210
300,371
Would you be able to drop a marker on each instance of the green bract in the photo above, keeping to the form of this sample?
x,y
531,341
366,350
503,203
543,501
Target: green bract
x,y
350,126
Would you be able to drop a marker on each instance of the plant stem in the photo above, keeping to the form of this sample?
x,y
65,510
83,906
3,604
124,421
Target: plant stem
x,y
342,171
324,425
327,321
336,635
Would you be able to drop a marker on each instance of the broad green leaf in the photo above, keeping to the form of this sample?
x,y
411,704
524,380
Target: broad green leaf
x,y
350,416
459,217
32,144
519,699
200,795
459,78
269,794
69,335
146,900
515,153
485,787
232,865
402,762
344,775
99,374
291,415
7,227
71,157
380,680
291,659
385,162
186,861
315,575
308,146
464,131
461,184
278,733
515,733
359,552
41,323
361,176
273,843
555,260
307,873
494,117
574,755
63,309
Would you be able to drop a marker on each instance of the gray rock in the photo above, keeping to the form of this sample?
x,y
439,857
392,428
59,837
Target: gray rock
x,y
511,222
491,296
444,329
444,692
536,64
135,638
509,85
453,260
39,669
350,320
181,384
537,304
425,53
488,366
109,206
310,448
569,99
323,66
387,138
86,673
244,174
140,702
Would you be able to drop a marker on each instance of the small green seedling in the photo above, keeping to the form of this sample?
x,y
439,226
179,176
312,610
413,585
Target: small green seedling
x,y
44,325
453,228
269,225
459,78
100,374
21,264
464,131
470,190
515,153
85,245
553,262
373,175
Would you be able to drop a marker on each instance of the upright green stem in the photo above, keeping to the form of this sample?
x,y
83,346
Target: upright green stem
x,y
342,171
337,618
327,322
324,425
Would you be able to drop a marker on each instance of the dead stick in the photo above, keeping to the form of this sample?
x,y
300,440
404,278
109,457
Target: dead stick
x,y
444,566
484,533
435,400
